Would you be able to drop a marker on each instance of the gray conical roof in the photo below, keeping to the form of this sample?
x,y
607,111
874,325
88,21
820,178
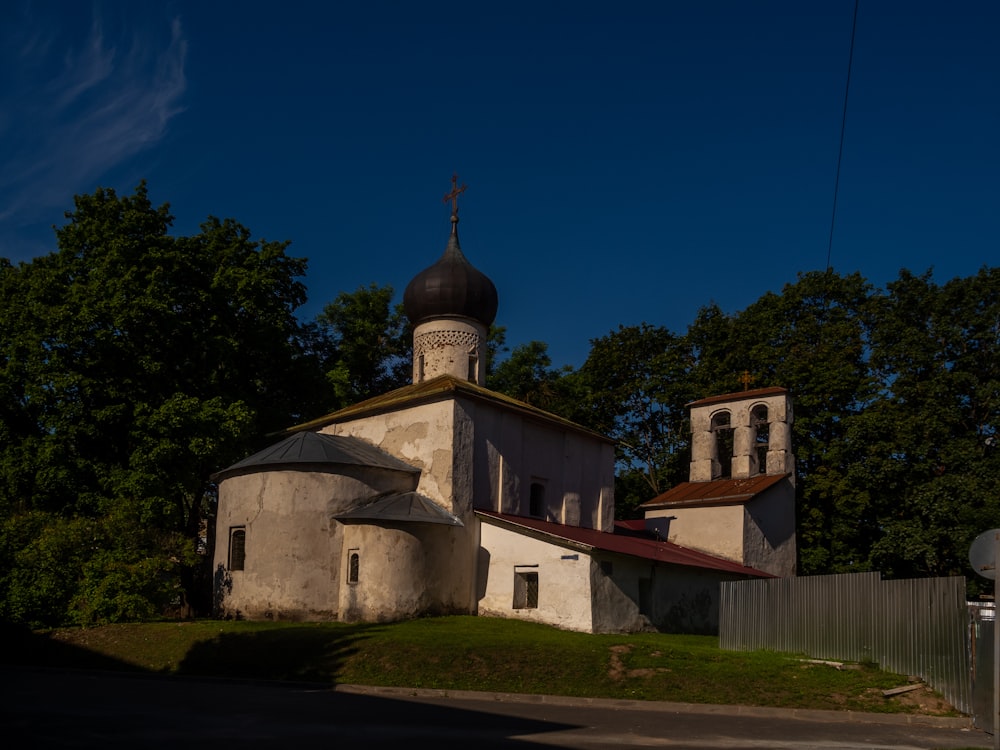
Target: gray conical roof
x,y
314,448
401,506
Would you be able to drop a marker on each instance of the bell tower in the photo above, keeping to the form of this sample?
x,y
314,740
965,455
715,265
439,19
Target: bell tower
x,y
742,435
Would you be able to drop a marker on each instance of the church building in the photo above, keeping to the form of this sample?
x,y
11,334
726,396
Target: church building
x,y
443,497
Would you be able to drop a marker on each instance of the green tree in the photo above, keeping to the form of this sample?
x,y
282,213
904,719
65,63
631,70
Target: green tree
x,y
367,343
527,375
636,381
135,364
932,467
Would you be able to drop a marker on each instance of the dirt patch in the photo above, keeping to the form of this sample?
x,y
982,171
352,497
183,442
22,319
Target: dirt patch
x,y
926,701
617,671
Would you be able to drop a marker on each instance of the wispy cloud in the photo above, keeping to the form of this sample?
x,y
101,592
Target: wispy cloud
x,y
78,104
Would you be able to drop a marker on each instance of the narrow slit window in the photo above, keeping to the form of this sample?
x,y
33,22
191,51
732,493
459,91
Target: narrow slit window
x,y
353,565
237,548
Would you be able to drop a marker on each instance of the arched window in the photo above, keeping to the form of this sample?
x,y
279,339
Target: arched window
x,y
353,565
759,423
237,547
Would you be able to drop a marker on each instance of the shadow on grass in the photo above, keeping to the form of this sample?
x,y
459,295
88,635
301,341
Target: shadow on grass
x,y
303,654
20,647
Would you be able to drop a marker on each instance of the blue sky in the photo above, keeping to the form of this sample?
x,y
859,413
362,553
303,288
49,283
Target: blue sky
x,y
626,162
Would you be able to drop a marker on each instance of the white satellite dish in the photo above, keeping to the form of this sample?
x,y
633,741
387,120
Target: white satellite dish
x,y
982,554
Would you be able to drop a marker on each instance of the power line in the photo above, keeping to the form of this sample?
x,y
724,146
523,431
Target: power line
x,y
843,127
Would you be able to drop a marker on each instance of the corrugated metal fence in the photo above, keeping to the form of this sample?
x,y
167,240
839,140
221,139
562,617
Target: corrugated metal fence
x,y
914,627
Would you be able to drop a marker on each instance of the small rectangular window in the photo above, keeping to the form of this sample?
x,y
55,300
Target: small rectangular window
x,y
237,547
525,590
353,565
607,568
536,500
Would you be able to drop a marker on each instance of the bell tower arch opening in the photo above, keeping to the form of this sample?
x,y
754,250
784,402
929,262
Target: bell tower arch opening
x,y
722,455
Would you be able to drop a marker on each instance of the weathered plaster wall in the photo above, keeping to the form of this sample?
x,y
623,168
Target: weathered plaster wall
x,y
403,572
419,435
564,592
686,600
645,595
716,530
769,539
512,451
437,438
576,592
292,545
615,602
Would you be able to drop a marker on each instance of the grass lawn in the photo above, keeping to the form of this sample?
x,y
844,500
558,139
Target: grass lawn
x,y
474,653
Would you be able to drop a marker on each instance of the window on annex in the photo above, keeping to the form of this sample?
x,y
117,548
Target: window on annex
x,y
353,565
525,589
237,547
536,499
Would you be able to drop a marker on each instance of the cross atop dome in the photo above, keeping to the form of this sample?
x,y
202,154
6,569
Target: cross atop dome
x,y
453,196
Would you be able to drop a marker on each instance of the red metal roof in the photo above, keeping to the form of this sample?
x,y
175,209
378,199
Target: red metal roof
x,y
625,544
719,492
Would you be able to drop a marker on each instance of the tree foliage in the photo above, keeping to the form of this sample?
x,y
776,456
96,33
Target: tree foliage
x,y
896,397
367,344
133,365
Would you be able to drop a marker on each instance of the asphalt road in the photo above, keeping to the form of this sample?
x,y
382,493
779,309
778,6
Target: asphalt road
x,y
77,709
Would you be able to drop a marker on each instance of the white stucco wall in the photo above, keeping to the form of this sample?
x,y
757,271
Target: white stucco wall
x,y
564,590
437,439
512,451
759,534
292,545
597,592
422,436
717,530
400,573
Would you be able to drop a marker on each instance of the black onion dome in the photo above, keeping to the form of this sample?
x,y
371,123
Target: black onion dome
x,y
451,287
